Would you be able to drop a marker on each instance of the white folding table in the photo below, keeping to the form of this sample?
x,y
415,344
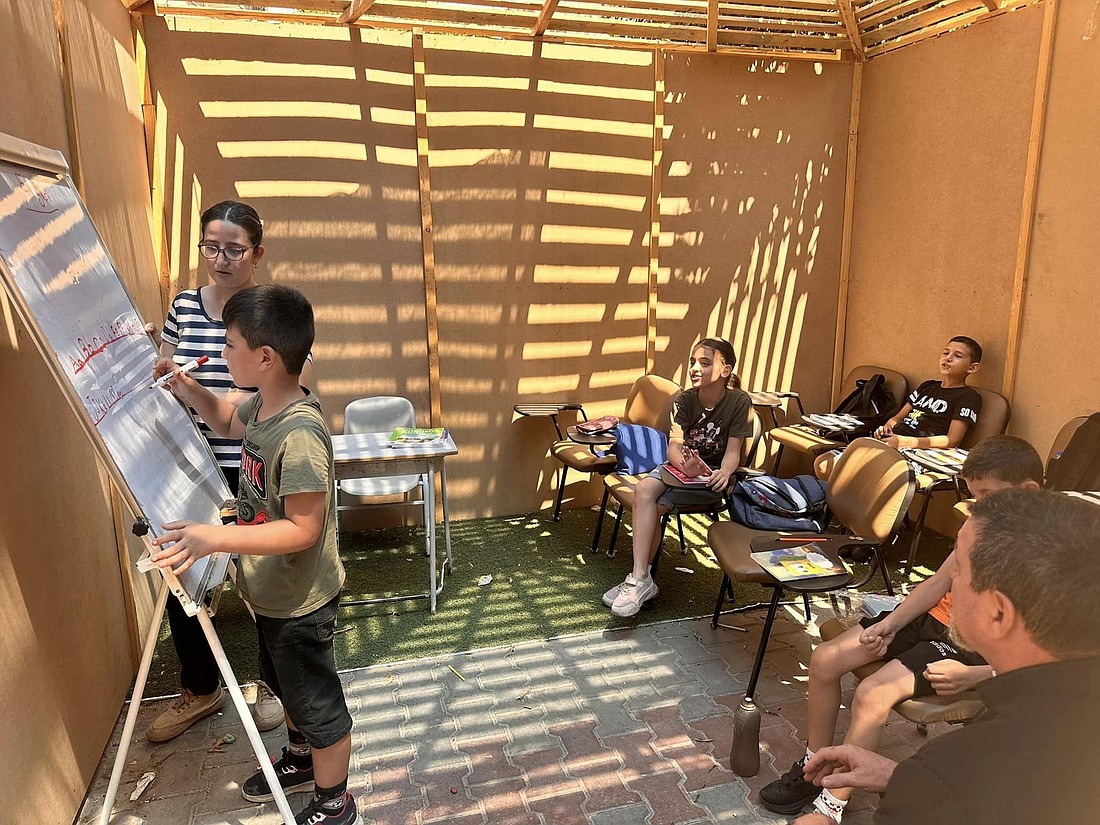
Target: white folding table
x,y
368,455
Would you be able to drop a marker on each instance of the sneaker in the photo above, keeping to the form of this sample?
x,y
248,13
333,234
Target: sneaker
x,y
612,594
183,713
790,793
315,814
633,593
291,778
267,711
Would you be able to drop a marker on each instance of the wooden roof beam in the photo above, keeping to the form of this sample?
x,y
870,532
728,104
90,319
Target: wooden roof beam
x,y
848,15
992,5
547,12
355,10
712,25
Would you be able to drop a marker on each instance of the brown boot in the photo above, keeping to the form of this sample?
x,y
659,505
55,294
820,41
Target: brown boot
x,y
183,713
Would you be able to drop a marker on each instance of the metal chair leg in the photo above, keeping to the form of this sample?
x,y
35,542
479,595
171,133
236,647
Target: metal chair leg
x,y
745,748
680,529
599,519
561,493
726,587
918,528
778,458
806,605
615,532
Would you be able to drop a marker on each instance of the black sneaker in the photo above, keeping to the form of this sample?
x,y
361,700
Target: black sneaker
x,y
291,778
315,814
790,793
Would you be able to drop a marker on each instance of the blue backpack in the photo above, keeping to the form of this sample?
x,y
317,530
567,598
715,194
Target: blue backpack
x,y
772,503
638,449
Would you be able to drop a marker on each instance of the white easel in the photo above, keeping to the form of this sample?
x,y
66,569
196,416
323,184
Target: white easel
x,y
203,614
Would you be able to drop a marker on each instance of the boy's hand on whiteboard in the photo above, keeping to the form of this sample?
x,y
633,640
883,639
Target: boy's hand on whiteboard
x,y
154,333
189,541
181,383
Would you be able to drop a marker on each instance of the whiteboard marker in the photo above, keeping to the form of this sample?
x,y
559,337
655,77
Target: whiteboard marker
x,y
190,366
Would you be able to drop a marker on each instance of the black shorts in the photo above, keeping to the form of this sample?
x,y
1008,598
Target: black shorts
x,y
297,662
921,642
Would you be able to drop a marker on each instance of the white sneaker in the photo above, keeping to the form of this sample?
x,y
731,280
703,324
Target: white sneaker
x,y
633,593
267,711
612,594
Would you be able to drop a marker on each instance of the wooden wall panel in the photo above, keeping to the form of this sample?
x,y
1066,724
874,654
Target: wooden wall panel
x,y
1056,376
752,211
939,183
65,663
541,191
314,127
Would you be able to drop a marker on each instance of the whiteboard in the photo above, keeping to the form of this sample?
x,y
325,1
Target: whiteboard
x,y
61,278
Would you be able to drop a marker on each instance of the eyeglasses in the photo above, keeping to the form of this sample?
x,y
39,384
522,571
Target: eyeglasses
x,y
210,251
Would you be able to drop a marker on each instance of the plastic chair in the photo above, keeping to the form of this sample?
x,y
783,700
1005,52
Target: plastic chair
x,y
621,488
649,404
380,413
992,420
806,439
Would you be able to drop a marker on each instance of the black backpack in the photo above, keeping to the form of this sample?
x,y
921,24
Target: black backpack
x,y
1077,467
870,402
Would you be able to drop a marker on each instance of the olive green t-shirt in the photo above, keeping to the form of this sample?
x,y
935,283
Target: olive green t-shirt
x,y
286,454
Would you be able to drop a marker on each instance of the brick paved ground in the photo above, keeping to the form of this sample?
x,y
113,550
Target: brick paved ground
x,y
611,728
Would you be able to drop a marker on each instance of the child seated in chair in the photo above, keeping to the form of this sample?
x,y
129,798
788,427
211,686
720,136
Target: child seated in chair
x,y
710,420
938,413
920,654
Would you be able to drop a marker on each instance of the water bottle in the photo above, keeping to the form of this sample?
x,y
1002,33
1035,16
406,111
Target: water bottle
x,y
745,749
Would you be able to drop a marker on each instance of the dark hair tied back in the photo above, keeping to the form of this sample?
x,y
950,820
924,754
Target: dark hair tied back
x,y
238,214
725,349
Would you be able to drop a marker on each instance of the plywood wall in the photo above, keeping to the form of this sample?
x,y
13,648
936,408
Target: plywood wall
x,y
1059,362
65,663
540,161
942,150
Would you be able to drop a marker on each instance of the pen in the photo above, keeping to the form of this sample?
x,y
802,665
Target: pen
x,y
800,539
190,366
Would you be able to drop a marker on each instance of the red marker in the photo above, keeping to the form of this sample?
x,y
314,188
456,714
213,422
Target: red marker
x,y
190,366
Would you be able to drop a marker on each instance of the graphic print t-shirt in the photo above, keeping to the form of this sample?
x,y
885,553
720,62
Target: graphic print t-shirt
x,y
708,431
286,454
934,408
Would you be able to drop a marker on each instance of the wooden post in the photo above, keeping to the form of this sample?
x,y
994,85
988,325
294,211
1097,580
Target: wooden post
x,y
76,165
1027,211
655,206
846,235
430,314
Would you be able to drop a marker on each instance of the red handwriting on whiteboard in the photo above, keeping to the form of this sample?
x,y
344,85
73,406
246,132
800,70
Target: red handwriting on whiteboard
x,y
90,347
45,203
99,407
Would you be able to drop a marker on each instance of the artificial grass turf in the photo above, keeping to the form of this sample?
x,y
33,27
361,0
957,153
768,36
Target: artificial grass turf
x,y
546,583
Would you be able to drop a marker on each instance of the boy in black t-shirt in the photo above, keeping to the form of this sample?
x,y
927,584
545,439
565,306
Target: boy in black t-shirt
x,y
938,413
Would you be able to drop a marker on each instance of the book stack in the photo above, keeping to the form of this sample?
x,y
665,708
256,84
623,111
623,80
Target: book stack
x,y
598,425
407,436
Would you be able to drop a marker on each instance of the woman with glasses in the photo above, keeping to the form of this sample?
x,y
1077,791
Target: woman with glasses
x,y
231,247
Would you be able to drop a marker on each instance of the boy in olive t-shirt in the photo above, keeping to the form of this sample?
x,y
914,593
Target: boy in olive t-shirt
x,y
289,570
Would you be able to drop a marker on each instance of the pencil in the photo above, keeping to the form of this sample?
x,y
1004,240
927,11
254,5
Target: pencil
x,y
806,540
456,673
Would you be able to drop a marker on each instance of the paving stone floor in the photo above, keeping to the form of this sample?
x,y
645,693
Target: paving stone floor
x,y
619,727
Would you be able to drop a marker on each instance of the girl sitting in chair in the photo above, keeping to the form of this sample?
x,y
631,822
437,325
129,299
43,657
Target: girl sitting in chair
x,y
710,420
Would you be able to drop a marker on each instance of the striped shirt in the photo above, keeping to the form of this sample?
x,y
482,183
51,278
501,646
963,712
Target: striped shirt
x,y
195,334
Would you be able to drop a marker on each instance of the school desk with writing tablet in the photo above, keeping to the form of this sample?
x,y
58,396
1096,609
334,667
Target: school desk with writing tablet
x,y
62,282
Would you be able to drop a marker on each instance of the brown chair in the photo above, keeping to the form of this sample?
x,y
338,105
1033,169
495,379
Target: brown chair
x,y
923,711
1063,438
621,488
806,439
649,403
869,493
992,420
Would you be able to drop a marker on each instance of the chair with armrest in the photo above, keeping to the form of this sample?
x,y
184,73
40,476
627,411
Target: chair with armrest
x,y
377,414
648,403
620,487
803,438
869,492
992,420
